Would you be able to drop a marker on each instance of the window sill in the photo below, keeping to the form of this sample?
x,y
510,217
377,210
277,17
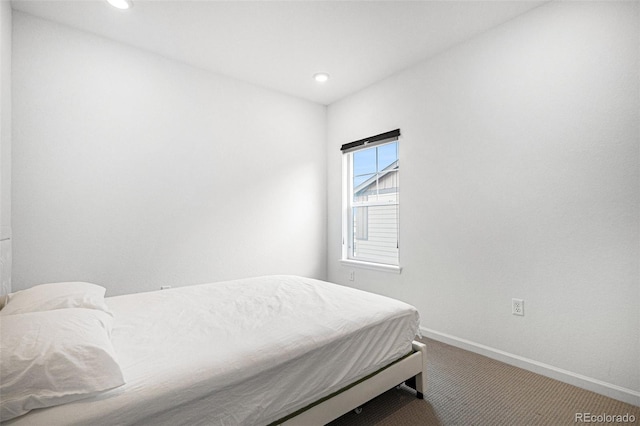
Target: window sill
x,y
370,265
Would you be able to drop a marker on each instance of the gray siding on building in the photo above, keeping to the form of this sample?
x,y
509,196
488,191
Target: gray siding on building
x,y
380,240
381,244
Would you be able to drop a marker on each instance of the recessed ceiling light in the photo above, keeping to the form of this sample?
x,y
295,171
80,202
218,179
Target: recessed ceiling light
x,y
120,4
321,77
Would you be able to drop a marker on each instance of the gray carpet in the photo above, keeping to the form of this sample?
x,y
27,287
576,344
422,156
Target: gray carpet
x,y
469,389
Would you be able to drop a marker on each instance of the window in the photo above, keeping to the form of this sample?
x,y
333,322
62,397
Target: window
x,y
371,200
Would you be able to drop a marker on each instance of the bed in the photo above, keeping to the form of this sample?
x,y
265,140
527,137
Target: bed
x,y
260,351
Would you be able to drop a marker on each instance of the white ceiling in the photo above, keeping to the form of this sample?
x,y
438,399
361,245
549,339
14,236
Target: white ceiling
x,y
281,44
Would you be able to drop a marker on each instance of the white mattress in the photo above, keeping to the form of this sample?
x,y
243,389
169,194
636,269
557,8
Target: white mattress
x,y
243,352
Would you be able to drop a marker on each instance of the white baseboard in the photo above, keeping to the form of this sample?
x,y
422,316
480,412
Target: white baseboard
x,y
607,389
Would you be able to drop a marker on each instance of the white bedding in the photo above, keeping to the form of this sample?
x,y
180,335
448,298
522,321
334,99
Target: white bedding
x,y
243,352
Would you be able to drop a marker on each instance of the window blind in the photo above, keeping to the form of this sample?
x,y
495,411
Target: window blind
x,y
372,140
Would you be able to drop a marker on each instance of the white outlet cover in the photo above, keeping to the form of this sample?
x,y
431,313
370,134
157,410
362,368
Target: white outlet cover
x,y
517,307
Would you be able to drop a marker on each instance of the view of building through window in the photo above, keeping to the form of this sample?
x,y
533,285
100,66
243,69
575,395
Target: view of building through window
x,y
374,203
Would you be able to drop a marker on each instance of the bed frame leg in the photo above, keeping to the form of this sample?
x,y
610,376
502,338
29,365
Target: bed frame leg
x,y
420,380
412,383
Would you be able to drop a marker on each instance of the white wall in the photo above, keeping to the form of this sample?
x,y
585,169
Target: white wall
x,y
134,171
5,147
519,179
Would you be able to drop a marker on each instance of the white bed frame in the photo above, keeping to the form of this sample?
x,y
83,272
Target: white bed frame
x,y
414,365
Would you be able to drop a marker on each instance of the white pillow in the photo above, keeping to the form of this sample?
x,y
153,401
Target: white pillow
x,y
45,297
54,357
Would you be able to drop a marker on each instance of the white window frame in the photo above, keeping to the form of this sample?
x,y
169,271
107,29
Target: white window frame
x,y
347,212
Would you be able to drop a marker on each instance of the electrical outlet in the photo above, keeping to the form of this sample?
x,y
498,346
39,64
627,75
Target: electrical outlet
x,y
517,307
352,275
